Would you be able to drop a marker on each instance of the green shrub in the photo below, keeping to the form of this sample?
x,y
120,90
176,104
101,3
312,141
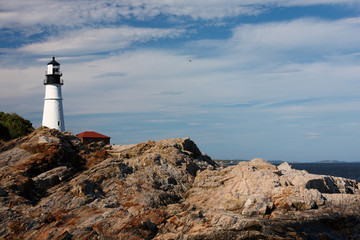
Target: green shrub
x,y
13,126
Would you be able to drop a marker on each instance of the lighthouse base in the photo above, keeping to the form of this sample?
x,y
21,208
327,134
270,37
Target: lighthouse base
x,y
53,116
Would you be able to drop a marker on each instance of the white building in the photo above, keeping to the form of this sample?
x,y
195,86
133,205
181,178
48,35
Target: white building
x,y
53,116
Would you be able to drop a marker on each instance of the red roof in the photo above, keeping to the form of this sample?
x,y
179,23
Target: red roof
x,y
89,134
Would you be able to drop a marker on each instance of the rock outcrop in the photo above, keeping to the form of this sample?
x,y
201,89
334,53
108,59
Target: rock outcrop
x,y
53,187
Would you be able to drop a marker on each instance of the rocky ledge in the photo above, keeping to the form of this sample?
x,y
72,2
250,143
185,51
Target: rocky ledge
x,y
53,187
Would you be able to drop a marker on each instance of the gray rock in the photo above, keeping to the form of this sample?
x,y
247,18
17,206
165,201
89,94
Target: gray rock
x,y
257,204
52,177
53,187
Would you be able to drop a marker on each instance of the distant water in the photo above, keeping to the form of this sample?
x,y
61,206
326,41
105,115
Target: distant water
x,y
346,170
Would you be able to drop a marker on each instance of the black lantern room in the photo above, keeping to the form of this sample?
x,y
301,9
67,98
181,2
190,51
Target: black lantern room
x,y
53,74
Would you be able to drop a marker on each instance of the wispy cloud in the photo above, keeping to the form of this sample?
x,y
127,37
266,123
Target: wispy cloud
x,y
74,13
316,2
292,102
313,135
89,41
162,120
299,39
171,93
111,74
237,77
293,117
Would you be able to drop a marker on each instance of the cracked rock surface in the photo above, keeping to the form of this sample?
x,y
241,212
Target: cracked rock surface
x,y
53,187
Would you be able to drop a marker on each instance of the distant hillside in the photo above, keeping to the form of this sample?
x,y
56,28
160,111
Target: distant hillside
x,y
330,161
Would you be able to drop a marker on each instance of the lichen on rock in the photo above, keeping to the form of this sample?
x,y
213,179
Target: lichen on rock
x,y
53,187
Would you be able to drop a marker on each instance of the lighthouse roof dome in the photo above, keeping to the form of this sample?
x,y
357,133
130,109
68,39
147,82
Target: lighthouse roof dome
x,y
53,62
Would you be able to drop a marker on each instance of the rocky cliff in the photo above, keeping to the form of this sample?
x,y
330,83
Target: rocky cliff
x,y
53,187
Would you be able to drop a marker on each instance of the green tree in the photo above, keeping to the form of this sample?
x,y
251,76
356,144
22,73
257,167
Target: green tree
x,y
13,126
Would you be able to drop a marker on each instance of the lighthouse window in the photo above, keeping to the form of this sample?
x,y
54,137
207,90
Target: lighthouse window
x,y
58,123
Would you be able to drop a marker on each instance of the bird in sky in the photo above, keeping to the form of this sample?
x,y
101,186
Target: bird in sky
x,y
188,59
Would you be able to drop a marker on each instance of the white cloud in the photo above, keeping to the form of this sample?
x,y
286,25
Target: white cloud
x,y
293,117
232,72
20,13
21,90
87,41
57,13
194,124
316,2
302,37
162,120
313,135
73,13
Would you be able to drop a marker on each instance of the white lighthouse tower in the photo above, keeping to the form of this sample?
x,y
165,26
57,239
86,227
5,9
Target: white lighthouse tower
x,y
53,116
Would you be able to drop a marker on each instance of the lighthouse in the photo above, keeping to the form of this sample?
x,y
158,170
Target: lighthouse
x,y
53,116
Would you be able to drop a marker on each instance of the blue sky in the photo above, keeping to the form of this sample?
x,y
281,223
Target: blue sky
x,y
270,79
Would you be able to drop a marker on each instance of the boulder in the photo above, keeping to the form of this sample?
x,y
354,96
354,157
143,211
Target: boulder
x,y
322,183
52,177
257,204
